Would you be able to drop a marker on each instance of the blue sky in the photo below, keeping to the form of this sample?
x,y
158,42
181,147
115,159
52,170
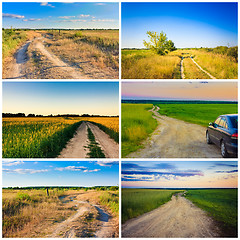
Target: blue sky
x,y
186,24
100,98
180,174
60,173
60,15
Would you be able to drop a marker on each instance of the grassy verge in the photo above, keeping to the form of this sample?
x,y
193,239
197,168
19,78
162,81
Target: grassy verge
x,y
24,210
137,125
112,134
94,150
200,114
111,200
36,139
221,204
136,202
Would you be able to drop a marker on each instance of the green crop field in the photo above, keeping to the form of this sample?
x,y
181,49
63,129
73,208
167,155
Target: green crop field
x,y
137,124
136,202
200,114
221,204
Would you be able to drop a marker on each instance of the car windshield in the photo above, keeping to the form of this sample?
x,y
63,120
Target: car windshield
x,y
234,121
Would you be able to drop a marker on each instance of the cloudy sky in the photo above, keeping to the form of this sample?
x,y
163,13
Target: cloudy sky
x,y
60,15
227,91
205,24
180,174
60,173
99,98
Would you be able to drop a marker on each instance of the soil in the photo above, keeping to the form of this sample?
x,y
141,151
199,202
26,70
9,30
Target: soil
x,y
178,218
174,138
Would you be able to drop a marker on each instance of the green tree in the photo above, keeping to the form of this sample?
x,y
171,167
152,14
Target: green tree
x,y
159,43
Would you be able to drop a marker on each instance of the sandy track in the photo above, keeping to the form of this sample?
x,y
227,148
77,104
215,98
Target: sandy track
x,y
76,147
212,77
177,218
174,138
182,69
109,147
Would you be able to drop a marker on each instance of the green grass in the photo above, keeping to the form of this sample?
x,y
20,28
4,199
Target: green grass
x,y
94,150
137,125
221,204
11,39
200,114
136,202
111,200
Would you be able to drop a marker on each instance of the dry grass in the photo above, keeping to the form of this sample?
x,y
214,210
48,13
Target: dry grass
x,y
191,71
142,64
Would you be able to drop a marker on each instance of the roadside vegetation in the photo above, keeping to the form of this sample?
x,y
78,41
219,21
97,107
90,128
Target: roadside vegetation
x,y
200,114
45,137
137,124
136,202
220,62
221,204
32,212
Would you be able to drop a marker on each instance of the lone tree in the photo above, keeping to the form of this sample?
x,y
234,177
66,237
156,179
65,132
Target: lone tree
x,y
159,43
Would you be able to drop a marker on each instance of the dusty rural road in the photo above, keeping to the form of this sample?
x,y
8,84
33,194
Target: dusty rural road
x,y
21,57
174,138
77,146
68,228
177,218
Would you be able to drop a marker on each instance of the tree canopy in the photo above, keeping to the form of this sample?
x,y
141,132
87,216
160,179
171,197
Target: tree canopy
x,y
159,43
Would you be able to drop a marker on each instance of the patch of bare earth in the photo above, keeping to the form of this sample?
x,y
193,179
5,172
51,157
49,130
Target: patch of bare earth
x,y
178,218
174,138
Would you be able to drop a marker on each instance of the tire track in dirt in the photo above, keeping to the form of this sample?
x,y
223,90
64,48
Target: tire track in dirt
x,y
174,138
66,229
178,218
212,77
182,69
76,147
109,147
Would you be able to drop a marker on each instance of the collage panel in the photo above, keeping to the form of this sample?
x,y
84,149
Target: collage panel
x,y
60,199
60,40
172,199
179,119
60,120
174,40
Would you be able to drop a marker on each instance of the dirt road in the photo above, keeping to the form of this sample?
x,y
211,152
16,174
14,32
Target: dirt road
x,y
177,218
77,147
174,138
21,66
73,226
182,69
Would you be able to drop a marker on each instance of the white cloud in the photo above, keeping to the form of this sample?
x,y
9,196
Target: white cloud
x,y
103,20
94,170
32,19
72,20
83,15
71,168
47,4
24,171
12,15
66,17
100,4
107,163
11,162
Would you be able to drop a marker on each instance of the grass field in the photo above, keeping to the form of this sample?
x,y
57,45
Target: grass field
x,y
44,137
136,202
221,204
32,213
200,114
144,64
137,124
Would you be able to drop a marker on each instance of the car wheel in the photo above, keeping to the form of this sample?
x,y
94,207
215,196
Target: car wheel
x,y
208,138
223,150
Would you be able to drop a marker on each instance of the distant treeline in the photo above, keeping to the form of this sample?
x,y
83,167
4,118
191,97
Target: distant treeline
x,y
179,102
111,188
47,29
179,188
58,115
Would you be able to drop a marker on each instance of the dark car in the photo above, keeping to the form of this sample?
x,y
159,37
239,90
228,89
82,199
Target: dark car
x,y
224,133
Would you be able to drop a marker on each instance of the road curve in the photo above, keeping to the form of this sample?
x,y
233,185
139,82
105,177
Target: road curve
x,y
174,138
178,218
